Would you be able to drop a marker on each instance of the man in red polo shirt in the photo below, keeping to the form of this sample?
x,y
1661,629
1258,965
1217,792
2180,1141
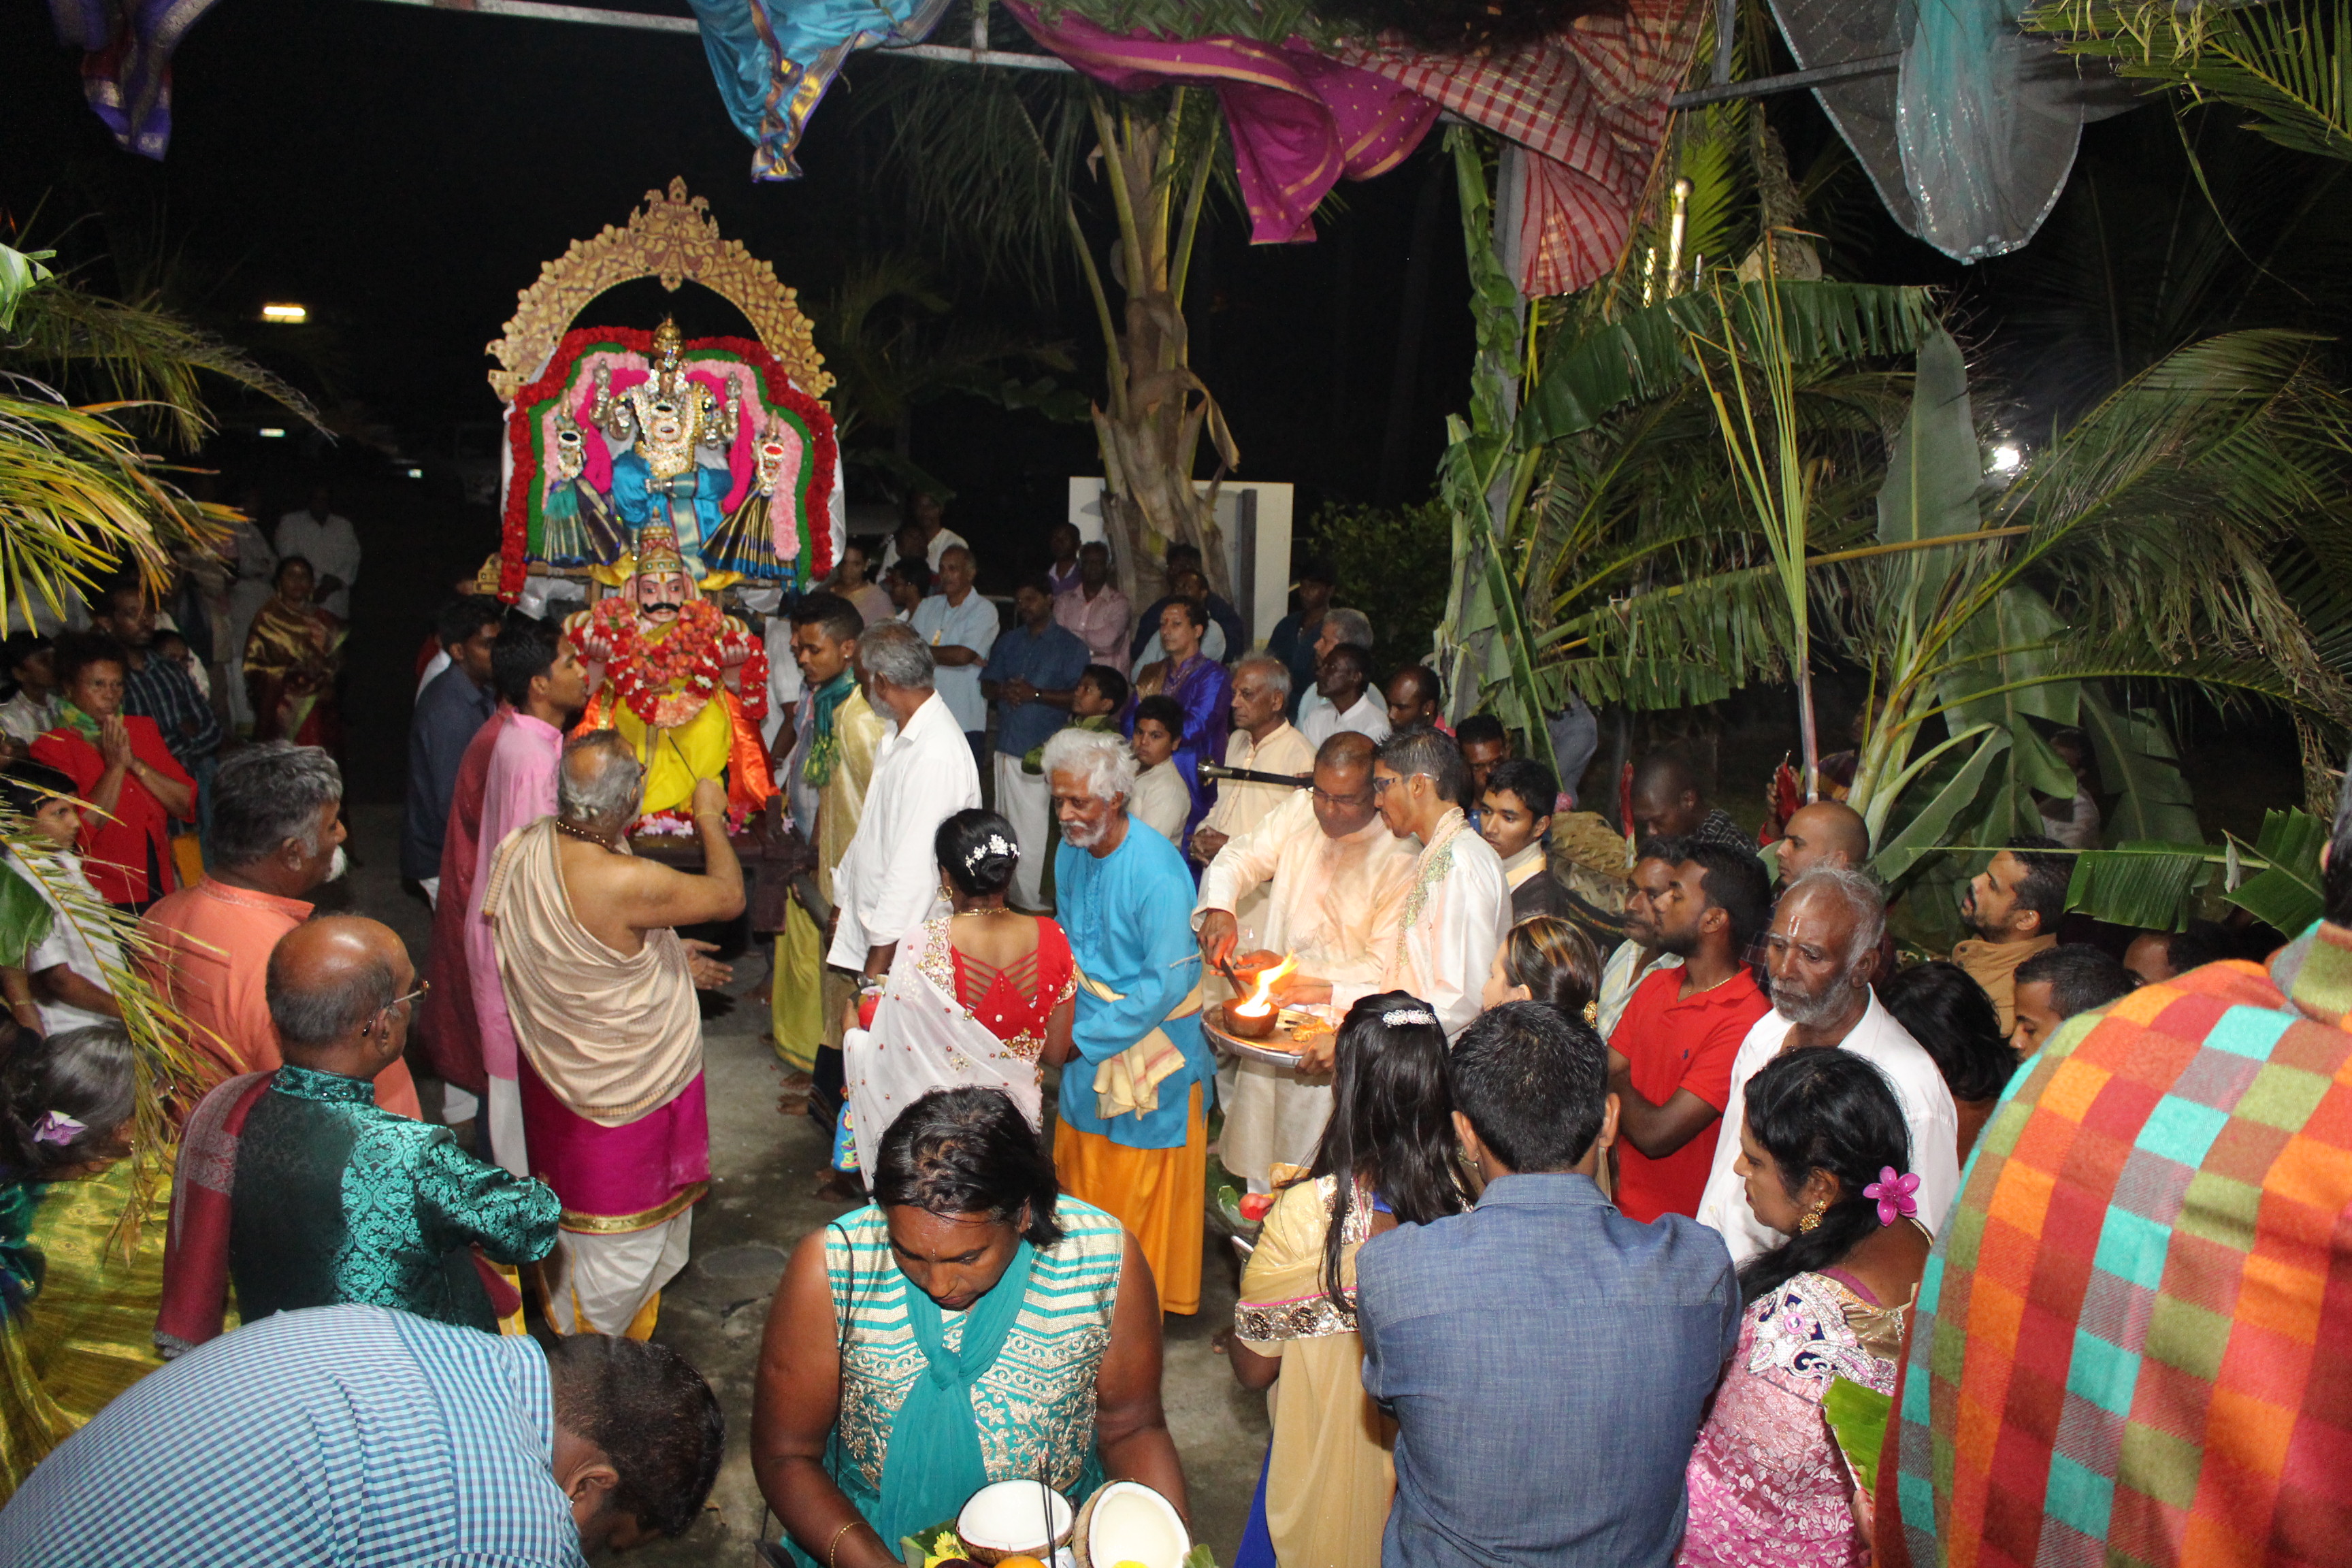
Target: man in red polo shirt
x,y
1670,1058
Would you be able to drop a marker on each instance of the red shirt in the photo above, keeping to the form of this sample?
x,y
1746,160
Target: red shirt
x,y
1672,1042
117,849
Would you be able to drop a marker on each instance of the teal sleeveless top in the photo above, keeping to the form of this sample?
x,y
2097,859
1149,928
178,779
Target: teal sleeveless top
x,y
1034,1408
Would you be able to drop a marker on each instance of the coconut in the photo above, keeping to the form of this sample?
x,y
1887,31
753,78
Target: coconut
x,y
1007,1519
1126,1522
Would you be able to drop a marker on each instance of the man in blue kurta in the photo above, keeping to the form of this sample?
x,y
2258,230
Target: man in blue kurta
x,y
1134,1134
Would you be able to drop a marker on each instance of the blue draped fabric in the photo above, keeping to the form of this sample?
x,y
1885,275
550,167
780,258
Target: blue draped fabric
x,y
126,68
691,507
775,58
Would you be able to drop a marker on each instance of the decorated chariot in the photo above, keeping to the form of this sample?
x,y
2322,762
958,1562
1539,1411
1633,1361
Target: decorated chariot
x,y
674,490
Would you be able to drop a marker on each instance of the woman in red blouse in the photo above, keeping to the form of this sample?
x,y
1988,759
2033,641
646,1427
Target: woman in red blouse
x,y
979,997
119,764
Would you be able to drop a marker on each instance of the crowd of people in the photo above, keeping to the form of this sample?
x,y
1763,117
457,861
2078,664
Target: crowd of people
x,y
1574,1231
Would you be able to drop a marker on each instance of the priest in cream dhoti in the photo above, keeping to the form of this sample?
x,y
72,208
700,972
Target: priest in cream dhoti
x,y
1457,908
600,988
1333,879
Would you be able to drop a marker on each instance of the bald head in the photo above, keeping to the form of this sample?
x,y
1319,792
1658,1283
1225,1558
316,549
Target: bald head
x,y
1826,833
1667,800
332,985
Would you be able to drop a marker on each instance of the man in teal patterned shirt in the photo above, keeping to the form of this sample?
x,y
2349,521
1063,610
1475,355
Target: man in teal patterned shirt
x,y
338,1201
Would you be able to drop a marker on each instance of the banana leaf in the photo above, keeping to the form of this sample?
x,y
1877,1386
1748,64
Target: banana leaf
x,y
1920,837
2138,765
1857,1419
1933,474
25,918
2286,895
2004,659
2150,884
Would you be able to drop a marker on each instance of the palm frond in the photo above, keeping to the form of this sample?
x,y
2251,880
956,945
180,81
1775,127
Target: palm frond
x,y
137,353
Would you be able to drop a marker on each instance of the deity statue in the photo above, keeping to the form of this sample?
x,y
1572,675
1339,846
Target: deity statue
x,y
667,422
685,685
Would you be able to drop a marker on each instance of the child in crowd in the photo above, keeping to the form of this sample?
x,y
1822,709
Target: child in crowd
x,y
1160,800
66,969
1094,704
170,645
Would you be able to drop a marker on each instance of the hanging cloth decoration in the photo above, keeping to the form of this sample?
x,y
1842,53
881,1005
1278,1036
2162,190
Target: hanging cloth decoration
x,y
126,66
775,58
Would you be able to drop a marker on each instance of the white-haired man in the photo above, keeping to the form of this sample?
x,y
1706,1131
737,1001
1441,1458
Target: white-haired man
x,y
1823,955
1263,740
600,989
1341,626
1134,1137
888,878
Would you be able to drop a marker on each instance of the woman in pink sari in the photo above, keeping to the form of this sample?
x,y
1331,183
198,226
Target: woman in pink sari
x,y
1823,1153
979,998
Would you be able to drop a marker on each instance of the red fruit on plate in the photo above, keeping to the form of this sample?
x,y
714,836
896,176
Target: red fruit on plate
x,y
1253,1205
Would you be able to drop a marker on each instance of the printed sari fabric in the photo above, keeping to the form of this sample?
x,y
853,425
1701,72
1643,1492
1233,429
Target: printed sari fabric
x,y
946,1021
2135,1333
1330,1473
1768,1488
291,657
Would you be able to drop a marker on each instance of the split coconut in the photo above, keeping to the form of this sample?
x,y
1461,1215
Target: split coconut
x,y
1128,1525
1008,1518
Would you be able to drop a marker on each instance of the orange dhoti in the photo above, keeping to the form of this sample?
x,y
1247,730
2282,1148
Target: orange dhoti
x,y
1158,1194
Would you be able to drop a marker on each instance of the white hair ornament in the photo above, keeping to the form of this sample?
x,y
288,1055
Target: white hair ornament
x,y
1396,1015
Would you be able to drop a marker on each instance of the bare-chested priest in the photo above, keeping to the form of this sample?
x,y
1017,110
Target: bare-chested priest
x,y
600,988
1334,880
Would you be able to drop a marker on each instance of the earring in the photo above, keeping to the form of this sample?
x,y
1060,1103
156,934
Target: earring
x,y
1811,1218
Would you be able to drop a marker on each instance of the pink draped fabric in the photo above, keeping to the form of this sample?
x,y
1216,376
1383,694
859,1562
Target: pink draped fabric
x,y
517,792
616,1172
1590,103
1299,120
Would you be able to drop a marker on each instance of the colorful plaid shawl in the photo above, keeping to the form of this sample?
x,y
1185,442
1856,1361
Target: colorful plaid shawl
x,y
2133,1341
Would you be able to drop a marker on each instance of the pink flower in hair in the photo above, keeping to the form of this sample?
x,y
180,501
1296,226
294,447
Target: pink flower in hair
x,y
1893,1194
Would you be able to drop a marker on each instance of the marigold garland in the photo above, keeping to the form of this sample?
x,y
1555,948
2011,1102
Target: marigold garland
x,y
667,682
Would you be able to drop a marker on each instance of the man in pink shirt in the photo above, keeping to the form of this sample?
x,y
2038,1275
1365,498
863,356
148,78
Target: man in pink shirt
x,y
275,837
539,673
1093,612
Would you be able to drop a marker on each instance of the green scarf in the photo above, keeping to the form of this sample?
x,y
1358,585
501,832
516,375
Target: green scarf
x,y
70,717
823,754
934,1463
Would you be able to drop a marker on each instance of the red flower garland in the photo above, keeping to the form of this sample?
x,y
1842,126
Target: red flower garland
x,y
515,541
652,678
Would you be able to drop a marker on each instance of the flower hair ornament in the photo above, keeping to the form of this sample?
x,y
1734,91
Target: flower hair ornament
x,y
1396,1015
994,843
55,1127
1893,1194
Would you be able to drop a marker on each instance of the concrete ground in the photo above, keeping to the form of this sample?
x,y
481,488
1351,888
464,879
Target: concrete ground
x,y
763,1165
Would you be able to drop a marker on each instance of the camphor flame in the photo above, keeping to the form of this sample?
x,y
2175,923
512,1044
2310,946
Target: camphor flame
x,y
1260,997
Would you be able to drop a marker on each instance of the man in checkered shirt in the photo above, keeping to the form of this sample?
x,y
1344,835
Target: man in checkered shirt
x,y
358,1435
2134,1340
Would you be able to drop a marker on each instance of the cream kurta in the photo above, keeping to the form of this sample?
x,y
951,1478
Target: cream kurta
x,y
1456,912
1161,802
1338,904
1241,806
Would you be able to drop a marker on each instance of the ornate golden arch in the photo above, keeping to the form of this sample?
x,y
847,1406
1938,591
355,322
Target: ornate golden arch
x,y
672,238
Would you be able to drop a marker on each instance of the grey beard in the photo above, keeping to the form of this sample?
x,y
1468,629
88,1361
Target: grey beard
x,y
339,864
1085,837
1812,1011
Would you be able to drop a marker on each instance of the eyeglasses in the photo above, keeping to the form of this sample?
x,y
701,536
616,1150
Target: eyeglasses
x,y
423,988
1325,798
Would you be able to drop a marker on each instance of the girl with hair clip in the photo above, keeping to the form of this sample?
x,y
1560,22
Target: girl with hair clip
x,y
67,1108
1389,1157
979,997
1824,1154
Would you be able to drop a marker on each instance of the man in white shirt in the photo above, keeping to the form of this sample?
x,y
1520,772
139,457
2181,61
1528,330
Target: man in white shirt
x,y
1262,742
929,520
961,626
331,546
1338,627
1457,908
1824,953
1344,682
1332,881
888,878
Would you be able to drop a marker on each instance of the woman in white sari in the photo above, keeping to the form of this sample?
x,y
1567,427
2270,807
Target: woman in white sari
x,y
976,999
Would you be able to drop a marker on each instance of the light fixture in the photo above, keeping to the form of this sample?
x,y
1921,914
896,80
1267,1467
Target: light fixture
x,y
286,315
416,473
272,432
2007,459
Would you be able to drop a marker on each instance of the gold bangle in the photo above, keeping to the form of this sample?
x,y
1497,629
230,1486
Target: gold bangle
x,y
835,1545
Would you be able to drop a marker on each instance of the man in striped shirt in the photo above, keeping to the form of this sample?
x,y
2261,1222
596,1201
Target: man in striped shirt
x,y
358,1435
